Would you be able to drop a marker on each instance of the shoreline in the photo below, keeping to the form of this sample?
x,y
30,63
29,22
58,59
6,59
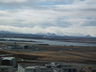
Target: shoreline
x,y
75,42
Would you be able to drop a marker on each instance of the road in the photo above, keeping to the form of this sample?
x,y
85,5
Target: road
x,y
65,63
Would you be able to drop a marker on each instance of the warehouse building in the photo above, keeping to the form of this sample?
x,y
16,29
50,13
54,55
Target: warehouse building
x,y
8,61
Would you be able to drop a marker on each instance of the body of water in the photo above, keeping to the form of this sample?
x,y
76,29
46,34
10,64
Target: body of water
x,y
50,42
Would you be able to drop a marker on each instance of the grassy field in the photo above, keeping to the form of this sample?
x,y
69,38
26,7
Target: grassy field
x,y
58,54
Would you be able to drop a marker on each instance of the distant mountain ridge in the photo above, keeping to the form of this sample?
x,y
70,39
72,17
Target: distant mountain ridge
x,y
7,32
38,35
88,36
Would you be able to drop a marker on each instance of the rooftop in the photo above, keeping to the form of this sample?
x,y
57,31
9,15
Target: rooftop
x,y
25,65
7,58
5,66
30,67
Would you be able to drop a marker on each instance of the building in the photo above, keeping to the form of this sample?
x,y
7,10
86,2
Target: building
x,y
38,69
20,48
69,69
93,69
14,47
0,61
7,69
54,67
33,68
57,67
8,61
21,68
3,46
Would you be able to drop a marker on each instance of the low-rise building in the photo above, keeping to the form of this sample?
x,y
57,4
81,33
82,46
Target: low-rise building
x,y
57,67
38,69
7,69
8,61
65,69
33,68
54,67
21,68
14,47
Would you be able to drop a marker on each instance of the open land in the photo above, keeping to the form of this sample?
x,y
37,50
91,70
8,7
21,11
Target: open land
x,y
51,53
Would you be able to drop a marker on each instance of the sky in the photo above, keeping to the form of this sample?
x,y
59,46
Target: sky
x,y
61,17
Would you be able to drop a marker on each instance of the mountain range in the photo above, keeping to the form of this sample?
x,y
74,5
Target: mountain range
x,y
38,35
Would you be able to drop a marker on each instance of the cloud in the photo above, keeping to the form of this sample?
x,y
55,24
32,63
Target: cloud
x,y
62,17
12,1
73,31
89,23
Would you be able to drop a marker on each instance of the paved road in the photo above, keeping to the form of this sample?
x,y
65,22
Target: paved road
x,y
65,63
6,55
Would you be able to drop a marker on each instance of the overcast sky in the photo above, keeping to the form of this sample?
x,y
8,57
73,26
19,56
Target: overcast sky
x,y
62,17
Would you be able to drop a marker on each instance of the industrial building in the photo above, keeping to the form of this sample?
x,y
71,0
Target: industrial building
x,y
8,61
34,69
7,64
46,68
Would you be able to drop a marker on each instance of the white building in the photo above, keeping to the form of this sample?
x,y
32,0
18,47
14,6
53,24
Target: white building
x,y
21,68
7,69
54,67
57,67
33,68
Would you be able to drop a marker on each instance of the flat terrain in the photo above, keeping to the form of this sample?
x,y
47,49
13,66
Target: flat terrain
x,y
71,54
